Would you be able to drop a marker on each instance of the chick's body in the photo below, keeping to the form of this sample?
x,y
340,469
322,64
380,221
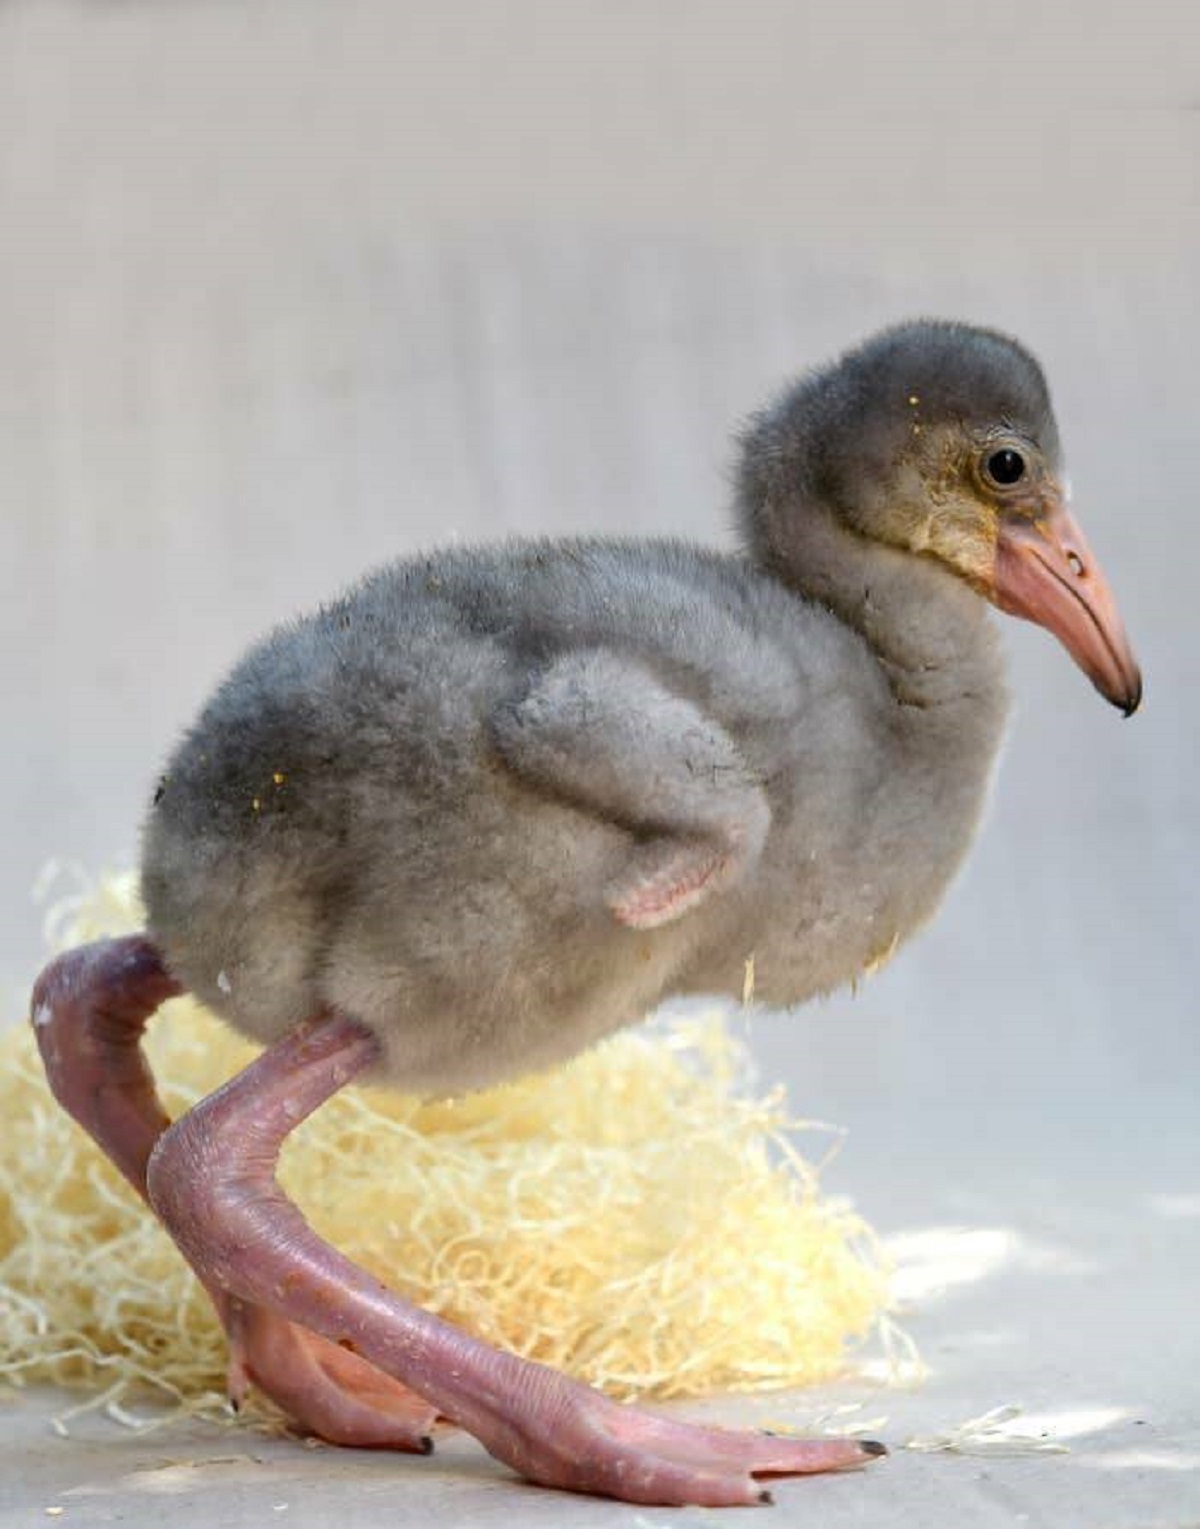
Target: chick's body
x,y
496,803
410,806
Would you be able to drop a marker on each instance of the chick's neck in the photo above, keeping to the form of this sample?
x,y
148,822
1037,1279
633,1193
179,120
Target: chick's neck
x,y
929,631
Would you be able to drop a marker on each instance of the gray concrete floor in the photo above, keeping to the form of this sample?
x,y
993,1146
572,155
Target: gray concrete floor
x,y
287,289
1072,1303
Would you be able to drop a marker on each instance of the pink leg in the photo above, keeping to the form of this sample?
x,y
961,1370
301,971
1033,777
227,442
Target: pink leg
x,y
212,1180
89,1009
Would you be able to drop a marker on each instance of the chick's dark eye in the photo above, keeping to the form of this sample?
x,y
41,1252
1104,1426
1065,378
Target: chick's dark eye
x,y
1006,467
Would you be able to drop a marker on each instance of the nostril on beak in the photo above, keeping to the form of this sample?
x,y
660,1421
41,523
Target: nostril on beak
x,y
1075,564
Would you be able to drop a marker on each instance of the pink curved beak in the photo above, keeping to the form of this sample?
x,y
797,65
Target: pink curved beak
x,y
1045,572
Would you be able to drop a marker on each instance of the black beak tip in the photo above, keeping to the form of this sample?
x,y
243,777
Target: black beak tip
x,y
1133,699
1127,700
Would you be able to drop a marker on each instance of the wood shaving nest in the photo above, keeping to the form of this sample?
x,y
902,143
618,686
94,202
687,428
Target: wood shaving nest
x,y
640,1218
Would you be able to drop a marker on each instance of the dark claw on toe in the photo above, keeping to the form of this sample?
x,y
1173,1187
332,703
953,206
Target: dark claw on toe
x,y
872,1447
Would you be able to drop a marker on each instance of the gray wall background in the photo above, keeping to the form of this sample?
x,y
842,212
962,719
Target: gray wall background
x,y
288,288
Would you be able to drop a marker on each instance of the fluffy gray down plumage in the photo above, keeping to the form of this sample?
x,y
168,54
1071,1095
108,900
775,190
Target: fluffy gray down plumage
x,y
497,802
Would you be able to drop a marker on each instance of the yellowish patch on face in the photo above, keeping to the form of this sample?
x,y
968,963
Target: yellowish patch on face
x,y
961,533
949,518
967,541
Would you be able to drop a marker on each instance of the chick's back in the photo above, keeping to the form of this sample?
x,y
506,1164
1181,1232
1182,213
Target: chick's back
x,y
338,829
